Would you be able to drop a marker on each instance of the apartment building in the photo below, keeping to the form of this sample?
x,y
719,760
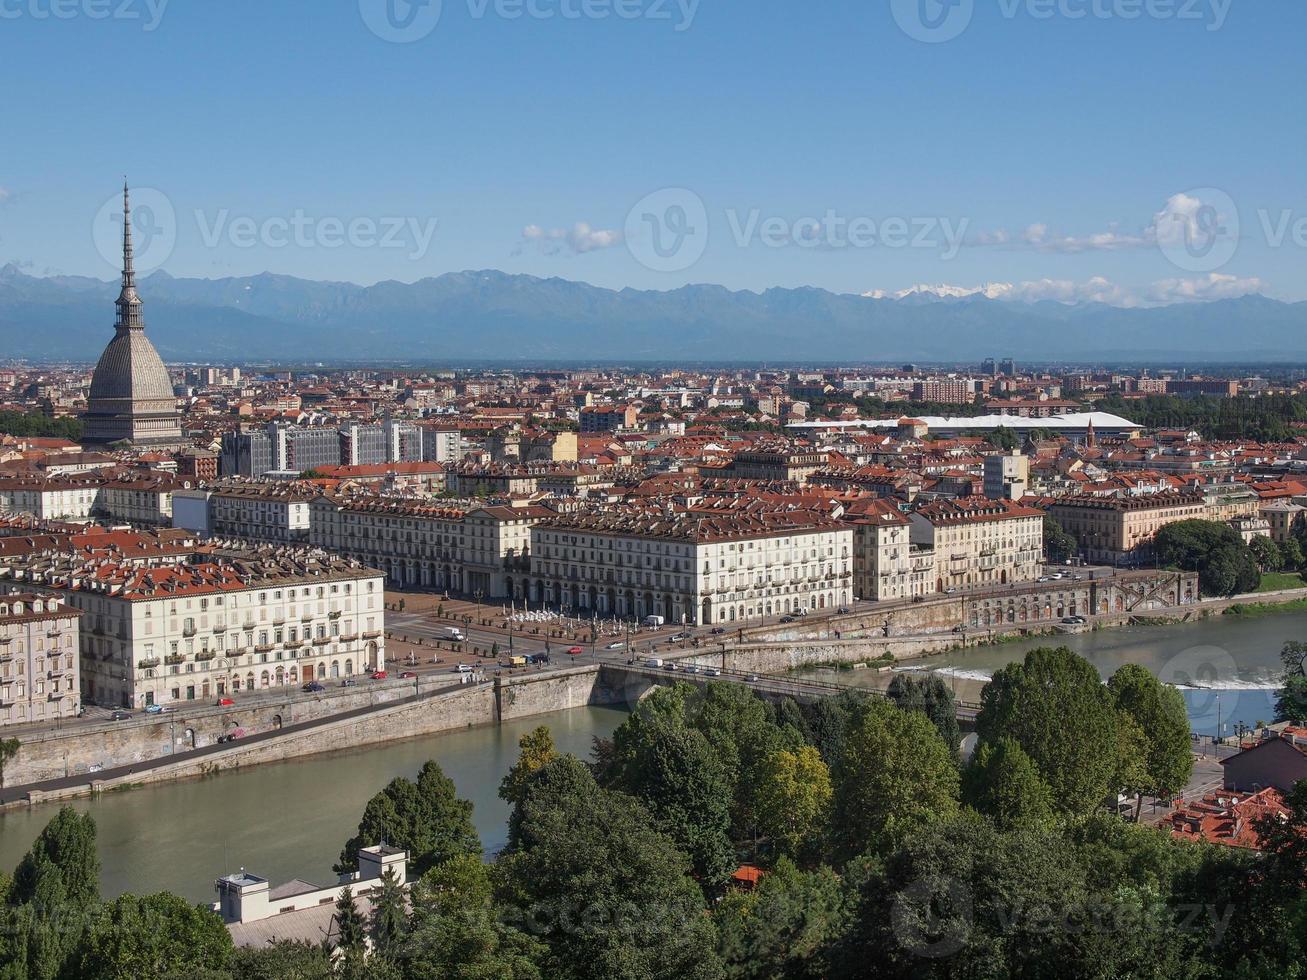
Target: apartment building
x,y
1120,530
135,500
886,565
227,622
418,544
1007,476
441,445
776,463
980,542
609,418
948,391
38,659
276,513
690,567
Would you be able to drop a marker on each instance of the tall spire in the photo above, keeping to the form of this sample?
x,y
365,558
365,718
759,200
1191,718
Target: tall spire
x,y
129,303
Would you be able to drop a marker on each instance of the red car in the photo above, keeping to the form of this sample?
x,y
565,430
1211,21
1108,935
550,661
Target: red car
x,y
225,702
379,675
408,675
575,651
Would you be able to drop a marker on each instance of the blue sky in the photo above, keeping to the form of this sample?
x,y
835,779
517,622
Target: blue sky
x,y
1144,151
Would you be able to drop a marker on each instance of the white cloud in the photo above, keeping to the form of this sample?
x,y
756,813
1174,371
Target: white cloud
x,y
1183,218
1201,289
578,239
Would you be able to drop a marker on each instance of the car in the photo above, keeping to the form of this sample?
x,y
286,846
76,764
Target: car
x,y
679,637
379,675
787,619
1044,578
224,703
154,709
348,682
843,611
752,678
575,651
950,591
119,716
959,628
616,646
408,675
464,668
313,687
712,672
691,669
669,666
717,631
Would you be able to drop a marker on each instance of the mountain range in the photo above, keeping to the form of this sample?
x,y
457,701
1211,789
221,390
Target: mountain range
x,y
491,315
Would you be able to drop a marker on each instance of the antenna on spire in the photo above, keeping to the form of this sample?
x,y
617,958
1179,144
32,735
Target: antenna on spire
x,y
129,273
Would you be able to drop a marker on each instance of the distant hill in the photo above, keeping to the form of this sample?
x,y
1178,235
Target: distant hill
x,y
470,315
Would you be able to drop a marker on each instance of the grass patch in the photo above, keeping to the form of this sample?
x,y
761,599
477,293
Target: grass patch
x,y
1279,581
1253,609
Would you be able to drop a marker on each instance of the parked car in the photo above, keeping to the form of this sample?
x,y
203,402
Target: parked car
x,y
224,703
379,675
717,630
120,716
408,675
313,687
787,619
843,611
575,651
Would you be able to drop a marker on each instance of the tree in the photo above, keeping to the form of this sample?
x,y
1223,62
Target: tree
x,y
8,749
1216,551
154,936
348,928
932,697
425,818
894,774
793,797
281,961
1059,546
1267,554
536,751
455,929
609,894
1003,783
1055,706
680,779
783,927
65,845
1004,439
388,923
1159,710
1291,699
1291,555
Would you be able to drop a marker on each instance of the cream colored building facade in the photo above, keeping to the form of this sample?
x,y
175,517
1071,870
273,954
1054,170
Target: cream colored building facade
x,y
1121,529
980,542
38,659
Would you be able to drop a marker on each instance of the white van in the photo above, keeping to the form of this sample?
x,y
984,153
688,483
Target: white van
x,y
455,634
655,621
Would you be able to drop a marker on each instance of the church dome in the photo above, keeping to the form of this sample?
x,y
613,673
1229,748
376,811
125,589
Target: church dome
x,y
130,368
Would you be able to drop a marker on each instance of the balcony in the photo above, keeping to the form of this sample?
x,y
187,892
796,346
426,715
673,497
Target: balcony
x,y
264,647
372,635
321,641
174,660
349,638
149,664
188,631
204,656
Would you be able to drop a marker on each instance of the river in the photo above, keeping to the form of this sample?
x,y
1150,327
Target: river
x,y
288,819
1227,668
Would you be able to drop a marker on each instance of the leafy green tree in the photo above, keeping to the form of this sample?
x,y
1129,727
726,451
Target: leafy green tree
x,y
675,773
1058,544
1216,551
1005,439
281,961
1159,710
782,929
388,923
154,936
932,697
1003,783
1291,698
894,774
425,818
1056,708
349,930
1267,554
536,751
793,800
610,895
1131,776
1291,555
456,931
66,844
